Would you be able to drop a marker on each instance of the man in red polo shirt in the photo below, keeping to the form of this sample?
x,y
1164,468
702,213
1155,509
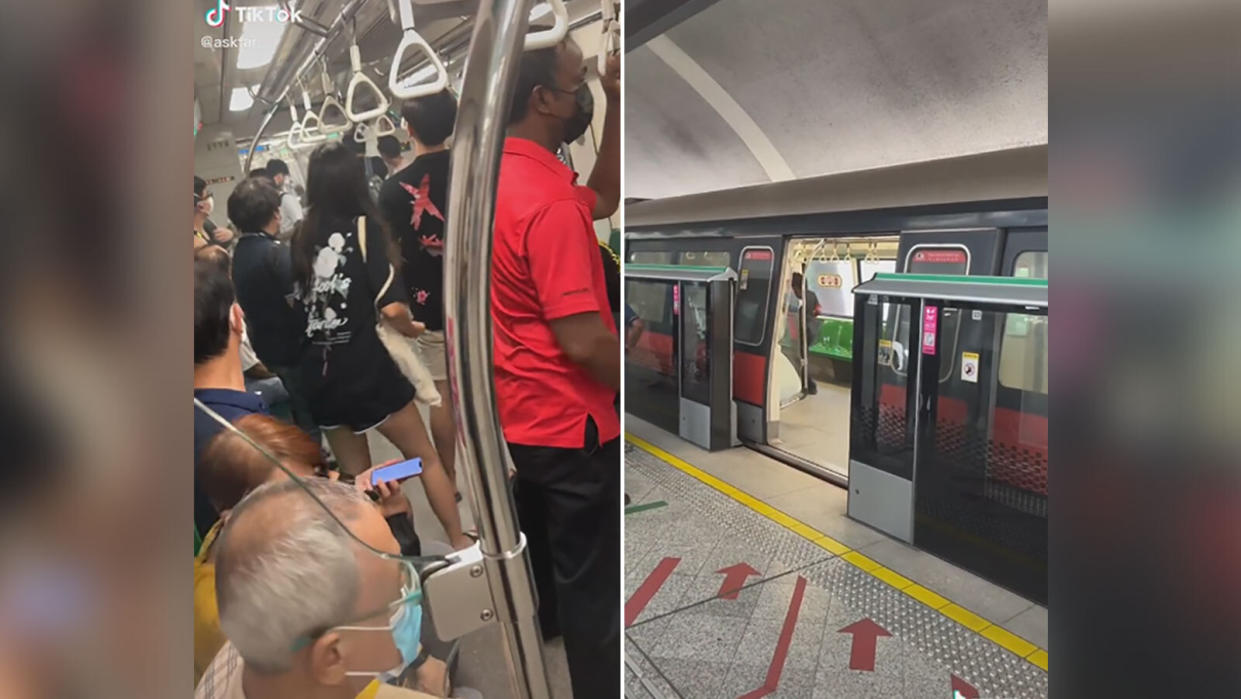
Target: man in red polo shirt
x,y
557,359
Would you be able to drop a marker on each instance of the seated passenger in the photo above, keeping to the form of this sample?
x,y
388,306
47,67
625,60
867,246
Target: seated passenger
x,y
218,379
308,611
230,468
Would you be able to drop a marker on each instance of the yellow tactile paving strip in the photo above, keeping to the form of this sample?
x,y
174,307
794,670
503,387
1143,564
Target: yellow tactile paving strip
x,y
995,634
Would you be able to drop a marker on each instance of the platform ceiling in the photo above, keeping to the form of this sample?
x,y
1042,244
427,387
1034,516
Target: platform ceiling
x,y
748,92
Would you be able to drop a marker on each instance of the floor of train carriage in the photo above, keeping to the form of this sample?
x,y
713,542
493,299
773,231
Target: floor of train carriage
x,y
481,665
745,578
816,427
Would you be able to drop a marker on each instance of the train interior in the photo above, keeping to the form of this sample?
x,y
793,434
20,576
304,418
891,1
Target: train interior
x,y
278,91
808,405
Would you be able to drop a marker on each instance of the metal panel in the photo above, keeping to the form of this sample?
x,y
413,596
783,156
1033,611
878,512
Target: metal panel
x,y
696,423
750,422
882,500
1001,291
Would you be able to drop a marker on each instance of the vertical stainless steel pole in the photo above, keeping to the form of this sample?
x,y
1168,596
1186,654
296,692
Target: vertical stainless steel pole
x,y
491,68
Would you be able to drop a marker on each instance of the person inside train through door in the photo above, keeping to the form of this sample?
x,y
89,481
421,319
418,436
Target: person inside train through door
x,y
809,321
413,202
557,362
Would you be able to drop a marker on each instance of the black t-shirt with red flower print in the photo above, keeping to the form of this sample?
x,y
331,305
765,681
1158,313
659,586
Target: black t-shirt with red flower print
x,y
414,201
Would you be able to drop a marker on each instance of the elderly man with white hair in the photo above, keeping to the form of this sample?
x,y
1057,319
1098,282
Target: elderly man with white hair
x,y
308,611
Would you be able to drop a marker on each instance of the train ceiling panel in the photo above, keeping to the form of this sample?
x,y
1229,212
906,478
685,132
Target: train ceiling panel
x,y
808,88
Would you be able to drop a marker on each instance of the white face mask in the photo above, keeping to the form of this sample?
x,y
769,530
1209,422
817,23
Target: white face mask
x,y
208,205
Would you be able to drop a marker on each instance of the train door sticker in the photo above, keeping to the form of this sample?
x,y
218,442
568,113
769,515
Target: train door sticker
x,y
930,323
969,367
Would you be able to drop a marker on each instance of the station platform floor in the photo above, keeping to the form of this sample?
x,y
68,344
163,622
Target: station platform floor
x,y
745,578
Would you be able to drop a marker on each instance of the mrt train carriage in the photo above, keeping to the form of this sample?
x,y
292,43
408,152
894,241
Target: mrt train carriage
x,y
793,343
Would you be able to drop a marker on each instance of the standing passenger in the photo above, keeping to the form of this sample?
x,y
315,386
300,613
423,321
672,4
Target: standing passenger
x,y
558,364
352,383
263,277
413,202
390,151
290,204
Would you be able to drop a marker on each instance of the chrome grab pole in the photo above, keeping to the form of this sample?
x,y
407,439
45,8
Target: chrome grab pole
x,y
491,68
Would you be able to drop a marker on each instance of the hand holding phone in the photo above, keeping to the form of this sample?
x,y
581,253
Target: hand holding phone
x,y
397,472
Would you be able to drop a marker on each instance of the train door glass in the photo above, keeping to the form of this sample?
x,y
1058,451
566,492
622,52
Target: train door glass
x,y
705,258
883,433
651,367
981,490
946,259
651,257
695,357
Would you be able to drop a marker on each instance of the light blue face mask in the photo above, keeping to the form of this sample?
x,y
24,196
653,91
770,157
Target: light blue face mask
x,y
406,629
405,626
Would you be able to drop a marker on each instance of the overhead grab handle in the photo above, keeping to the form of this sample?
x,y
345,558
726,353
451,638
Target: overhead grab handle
x,y
383,126
310,134
295,127
330,102
611,35
411,39
359,78
550,37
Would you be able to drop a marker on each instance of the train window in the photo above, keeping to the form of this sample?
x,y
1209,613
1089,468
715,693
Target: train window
x,y
705,258
1023,354
651,257
753,290
652,302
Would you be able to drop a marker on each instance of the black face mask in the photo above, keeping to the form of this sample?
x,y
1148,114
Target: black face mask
x,y
577,124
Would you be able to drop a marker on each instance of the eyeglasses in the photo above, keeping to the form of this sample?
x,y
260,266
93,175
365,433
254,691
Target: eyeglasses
x,y
411,592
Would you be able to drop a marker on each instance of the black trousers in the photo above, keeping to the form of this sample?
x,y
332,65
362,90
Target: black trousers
x,y
568,503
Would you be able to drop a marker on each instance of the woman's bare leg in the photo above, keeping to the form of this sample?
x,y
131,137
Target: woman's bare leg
x,y
352,452
404,428
444,431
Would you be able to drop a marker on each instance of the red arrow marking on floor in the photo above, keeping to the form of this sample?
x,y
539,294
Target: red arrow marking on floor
x,y
865,633
648,588
734,578
782,646
963,689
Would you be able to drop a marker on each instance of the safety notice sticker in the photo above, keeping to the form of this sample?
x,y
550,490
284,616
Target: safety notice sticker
x,y
969,367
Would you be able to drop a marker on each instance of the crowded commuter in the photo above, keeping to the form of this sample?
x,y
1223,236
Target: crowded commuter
x,y
219,382
308,609
231,467
263,278
413,201
290,204
205,231
390,151
557,360
346,283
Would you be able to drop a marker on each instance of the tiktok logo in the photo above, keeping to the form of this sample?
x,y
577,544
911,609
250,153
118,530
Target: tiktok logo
x,y
215,17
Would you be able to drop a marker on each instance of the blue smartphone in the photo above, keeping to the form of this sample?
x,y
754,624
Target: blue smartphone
x,y
397,472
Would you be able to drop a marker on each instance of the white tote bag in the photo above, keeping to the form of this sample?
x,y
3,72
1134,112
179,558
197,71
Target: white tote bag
x,y
399,346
